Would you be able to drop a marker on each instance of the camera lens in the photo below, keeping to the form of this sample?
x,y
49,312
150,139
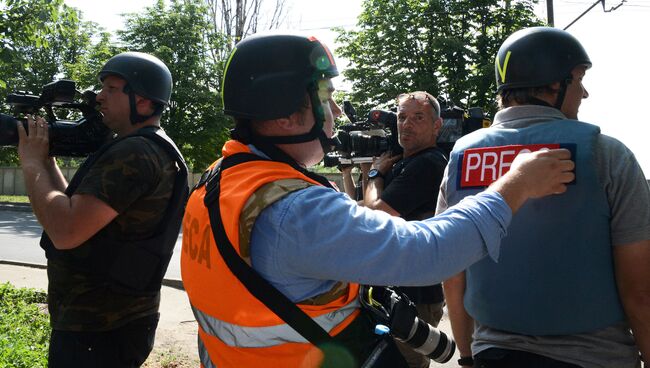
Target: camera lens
x,y
8,130
428,340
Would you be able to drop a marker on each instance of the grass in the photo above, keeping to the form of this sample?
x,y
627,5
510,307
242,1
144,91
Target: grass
x,y
168,358
24,327
14,198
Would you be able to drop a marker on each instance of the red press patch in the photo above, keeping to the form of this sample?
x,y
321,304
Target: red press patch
x,y
483,166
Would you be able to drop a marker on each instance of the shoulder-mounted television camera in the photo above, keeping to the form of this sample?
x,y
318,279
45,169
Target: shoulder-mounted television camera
x,y
359,141
78,137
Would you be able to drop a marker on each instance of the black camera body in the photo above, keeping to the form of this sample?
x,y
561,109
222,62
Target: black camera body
x,y
394,310
457,122
74,138
359,141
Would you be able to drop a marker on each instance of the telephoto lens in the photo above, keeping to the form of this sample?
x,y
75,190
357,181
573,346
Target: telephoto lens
x,y
406,326
430,341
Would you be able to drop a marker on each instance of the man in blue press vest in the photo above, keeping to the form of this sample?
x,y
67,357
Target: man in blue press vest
x,y
571,287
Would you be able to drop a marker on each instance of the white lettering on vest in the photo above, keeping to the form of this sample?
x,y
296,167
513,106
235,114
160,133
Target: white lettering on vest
x,y
483,166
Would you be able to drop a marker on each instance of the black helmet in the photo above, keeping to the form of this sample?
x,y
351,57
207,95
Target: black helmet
x,y
145,75
537,56
267,76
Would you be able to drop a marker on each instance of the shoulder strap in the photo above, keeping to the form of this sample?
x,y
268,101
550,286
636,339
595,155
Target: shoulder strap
x,y
256,285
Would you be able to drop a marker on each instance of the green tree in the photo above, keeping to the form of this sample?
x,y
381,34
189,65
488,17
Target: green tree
x,y
23,22
180,35
445,47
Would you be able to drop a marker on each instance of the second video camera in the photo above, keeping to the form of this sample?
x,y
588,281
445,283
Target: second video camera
x,y
360,141
78,137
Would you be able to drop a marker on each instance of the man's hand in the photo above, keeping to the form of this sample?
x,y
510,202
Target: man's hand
x,y
385,162
33,148
534,175
345,169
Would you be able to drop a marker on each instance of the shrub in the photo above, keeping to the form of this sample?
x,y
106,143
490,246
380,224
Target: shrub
x,y
24,327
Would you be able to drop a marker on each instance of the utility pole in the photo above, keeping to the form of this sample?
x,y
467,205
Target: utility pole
x,y
549,13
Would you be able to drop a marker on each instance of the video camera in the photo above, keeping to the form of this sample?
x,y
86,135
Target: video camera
x,y
67,138
457,123
394,311
359,141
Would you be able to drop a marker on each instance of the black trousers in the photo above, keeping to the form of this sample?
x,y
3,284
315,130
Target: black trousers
x,y
505,358
125,347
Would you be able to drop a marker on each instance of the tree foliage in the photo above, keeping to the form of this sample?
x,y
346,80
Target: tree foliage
x,y
445,47
179,34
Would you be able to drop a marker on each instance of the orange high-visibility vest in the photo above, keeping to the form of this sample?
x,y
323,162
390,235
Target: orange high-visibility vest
x,y
235,328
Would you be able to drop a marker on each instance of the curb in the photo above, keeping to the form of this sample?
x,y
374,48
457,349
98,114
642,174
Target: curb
x,y
173,283
13,206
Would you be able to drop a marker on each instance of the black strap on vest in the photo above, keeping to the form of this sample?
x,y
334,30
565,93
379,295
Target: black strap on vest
x,y
256,285
277,154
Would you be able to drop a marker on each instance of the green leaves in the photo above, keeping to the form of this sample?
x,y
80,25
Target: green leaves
x,y
442,46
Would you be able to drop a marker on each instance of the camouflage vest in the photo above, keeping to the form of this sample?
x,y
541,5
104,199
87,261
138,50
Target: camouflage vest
x,y
133,267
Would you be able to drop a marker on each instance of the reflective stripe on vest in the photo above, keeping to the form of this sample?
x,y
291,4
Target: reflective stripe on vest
x,y
257,337
204,356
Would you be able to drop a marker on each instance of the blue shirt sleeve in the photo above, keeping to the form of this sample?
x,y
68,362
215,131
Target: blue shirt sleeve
x,y
312,238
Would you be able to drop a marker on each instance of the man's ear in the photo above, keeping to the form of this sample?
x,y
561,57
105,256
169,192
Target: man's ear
x,y
144,106
551,93
286,124
437,125
293,122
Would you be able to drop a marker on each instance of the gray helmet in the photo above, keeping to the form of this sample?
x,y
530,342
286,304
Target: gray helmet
x,y
145,75
537,56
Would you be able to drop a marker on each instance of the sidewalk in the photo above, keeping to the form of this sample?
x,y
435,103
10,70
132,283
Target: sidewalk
x,y
177,327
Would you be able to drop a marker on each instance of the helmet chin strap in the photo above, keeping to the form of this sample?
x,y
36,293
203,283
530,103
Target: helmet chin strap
x,y
562,92
316,131
134,116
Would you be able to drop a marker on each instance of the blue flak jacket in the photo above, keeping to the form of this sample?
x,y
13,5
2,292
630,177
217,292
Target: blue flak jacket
x,y
555,274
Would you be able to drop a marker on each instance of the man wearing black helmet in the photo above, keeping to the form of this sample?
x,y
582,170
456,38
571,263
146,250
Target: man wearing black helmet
x,y
573,275
279,286
109,234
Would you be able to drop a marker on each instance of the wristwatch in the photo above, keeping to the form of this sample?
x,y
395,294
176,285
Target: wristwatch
x,y
374,174
466,361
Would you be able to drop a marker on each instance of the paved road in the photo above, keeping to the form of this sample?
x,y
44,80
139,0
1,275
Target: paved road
x,y
20,233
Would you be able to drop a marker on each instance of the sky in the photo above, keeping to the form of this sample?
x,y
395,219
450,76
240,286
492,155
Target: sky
x,y
616,41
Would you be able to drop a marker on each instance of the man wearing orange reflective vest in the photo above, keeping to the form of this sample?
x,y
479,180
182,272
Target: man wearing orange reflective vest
x,y
310,243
